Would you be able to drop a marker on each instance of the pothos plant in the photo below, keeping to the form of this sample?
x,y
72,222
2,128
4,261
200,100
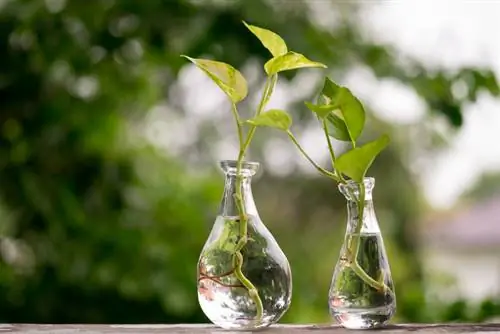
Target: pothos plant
x,y
234,85
342,117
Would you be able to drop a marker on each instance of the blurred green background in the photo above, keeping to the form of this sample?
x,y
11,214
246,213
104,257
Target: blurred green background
x,y
109,143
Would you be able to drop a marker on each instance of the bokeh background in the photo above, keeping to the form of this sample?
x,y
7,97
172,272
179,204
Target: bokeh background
x,y
109,144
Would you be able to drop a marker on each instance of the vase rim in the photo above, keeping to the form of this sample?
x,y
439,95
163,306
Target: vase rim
x,y
368,181
246,166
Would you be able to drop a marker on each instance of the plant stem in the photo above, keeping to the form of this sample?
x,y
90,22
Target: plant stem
x,y
268,90
354,246
216,280
202,272
332,154
243,239
238,123
330,147
361,210
304,153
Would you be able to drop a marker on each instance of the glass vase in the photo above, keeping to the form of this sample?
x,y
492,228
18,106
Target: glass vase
x,y
244,278
362,292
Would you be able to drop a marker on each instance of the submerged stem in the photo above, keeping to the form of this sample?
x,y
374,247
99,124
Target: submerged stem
x,y
354,245
252,290
243,239
218,281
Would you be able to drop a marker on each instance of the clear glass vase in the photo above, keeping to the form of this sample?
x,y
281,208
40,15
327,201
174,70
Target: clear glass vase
x,y
362,292
244,278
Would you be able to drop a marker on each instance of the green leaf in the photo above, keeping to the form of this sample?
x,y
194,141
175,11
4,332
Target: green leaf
x,y
337,128
335,123
351,110
289,61
271,41
329,91
355,163
273,118
321,111
229,79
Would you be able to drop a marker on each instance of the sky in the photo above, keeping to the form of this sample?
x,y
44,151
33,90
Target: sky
x,y
448,34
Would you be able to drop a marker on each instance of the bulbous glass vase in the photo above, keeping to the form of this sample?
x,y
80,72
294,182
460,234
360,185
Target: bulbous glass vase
x,y
244,279
362,292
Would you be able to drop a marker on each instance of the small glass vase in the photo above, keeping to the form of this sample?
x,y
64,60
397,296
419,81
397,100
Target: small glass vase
x,y
362,292
244,278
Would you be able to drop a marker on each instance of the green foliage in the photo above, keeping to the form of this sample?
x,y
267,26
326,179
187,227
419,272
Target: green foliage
x,y
271,41
322,111
347,109
343,117
229,79
273,118
289,61
104,222
343,110
337,127
283,60
234,85
355,163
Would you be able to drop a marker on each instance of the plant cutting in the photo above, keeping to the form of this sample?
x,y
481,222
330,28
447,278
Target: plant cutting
x,y
362,292
244,279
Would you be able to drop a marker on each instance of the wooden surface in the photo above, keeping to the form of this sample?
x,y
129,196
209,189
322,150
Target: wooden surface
x,y
208,329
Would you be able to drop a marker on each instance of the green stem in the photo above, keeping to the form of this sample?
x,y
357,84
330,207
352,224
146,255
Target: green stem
x,y
328,140
268,90
340,176
243,239
360,201
238,122
355,242
367,279
252,290
353,247
304,153
332,154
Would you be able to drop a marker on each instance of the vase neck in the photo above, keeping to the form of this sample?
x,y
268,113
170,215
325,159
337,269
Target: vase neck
x,y
352,192
370,222
238,182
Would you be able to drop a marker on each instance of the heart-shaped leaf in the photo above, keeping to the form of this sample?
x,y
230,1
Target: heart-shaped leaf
x,y
355,163
337,127
335,123
271,41
289,61
273,118
321,111
351,110
229,79
329,91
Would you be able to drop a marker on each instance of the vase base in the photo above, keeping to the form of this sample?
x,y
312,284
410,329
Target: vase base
x,y
245,324
352,318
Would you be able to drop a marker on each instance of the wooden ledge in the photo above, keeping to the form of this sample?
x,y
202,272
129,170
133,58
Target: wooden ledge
x,y
209,329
